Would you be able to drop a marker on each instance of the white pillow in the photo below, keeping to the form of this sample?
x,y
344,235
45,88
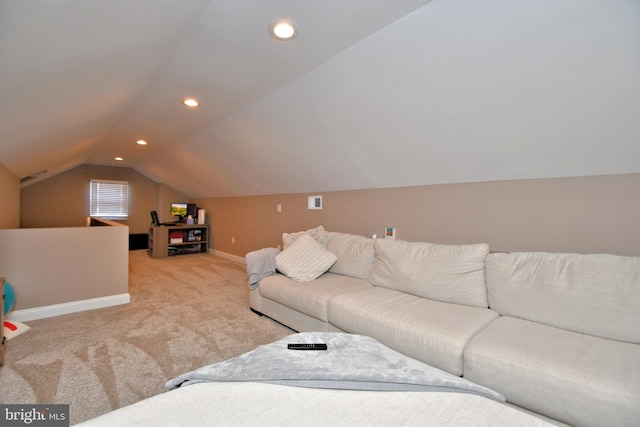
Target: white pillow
x,y
317,233
305,259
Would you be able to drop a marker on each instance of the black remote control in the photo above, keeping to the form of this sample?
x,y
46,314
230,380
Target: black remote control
x,y
307,346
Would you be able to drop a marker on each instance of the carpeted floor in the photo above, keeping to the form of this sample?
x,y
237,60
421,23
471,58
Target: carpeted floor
x,y
185,312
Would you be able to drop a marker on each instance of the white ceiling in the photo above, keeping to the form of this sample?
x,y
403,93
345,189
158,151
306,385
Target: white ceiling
x,y
371,94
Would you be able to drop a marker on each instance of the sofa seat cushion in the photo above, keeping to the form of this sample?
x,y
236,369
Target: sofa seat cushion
x,y
310,298
430,331
578,379
447,273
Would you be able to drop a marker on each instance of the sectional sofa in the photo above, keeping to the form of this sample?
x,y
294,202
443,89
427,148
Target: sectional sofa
x,y
557,334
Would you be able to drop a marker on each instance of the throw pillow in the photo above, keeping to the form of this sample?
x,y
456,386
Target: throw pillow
x,y
305,259
317,233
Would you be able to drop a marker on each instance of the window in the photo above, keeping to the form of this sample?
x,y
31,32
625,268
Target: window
x,y
109,199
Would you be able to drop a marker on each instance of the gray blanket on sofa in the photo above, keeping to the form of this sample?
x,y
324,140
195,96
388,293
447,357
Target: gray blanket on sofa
x,y
261,264
351,362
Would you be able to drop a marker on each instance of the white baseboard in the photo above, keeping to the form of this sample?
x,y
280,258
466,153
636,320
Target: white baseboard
x,y
67,307
228,256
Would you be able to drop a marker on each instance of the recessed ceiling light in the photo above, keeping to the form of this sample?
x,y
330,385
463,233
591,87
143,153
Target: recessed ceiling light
x,y
141,142
283,30
119,158
191,102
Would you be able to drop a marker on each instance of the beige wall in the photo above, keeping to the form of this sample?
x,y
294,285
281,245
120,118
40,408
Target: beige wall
x,y
9,199
56,270
598,214
63,200
582,214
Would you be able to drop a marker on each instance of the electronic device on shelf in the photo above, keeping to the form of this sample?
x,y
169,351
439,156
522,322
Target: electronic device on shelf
x,y
182,210
179,209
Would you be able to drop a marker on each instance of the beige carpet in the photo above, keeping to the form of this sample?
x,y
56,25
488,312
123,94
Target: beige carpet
x,y
185,312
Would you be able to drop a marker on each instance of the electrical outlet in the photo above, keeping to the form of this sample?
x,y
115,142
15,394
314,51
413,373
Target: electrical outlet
x,y
278,207
233,240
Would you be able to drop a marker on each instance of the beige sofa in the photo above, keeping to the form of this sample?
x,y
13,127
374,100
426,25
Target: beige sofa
x,y
557,334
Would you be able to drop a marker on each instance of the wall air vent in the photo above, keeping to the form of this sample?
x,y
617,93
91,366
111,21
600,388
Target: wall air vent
x,y
31,177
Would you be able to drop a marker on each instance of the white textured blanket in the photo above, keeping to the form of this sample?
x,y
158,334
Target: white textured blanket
x,y
352,362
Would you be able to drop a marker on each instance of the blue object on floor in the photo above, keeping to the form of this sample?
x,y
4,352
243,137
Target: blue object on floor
x,y
9,298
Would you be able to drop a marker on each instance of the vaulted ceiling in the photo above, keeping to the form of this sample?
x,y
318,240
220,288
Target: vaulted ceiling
x,y
370,94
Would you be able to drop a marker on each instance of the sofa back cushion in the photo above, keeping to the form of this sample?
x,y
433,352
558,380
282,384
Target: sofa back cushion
x,y
447,273
592,294
355,254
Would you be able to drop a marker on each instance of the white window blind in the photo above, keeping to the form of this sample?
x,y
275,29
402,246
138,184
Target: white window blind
x,y
109,199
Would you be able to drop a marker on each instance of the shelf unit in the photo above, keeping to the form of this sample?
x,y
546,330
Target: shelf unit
x,y
180,239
